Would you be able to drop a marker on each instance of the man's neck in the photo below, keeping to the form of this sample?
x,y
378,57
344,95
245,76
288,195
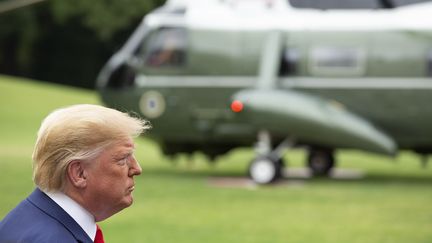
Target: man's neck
x,y
84,218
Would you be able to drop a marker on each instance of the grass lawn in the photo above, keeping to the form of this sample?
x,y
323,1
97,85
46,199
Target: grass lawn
x,y
174,202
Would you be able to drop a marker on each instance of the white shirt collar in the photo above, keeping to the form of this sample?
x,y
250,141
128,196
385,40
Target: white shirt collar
x,y
76,211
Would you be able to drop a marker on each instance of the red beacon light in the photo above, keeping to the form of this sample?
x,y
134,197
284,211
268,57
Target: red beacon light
x,y
236,106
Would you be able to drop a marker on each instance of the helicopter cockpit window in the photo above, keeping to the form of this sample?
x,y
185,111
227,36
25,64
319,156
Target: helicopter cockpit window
x,y
166,47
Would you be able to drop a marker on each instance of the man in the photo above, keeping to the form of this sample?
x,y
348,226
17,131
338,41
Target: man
x,y
83,167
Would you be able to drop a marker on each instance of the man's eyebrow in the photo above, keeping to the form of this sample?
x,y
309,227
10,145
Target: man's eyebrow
x,y
123,153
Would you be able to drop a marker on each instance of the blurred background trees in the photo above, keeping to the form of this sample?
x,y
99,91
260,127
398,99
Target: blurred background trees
x,y
67,41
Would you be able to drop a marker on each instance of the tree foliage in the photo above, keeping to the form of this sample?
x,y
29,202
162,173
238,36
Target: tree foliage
x,y
67,41
18,30
103,16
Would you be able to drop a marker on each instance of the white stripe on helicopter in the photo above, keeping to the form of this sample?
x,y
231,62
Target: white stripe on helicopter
x,y
294,82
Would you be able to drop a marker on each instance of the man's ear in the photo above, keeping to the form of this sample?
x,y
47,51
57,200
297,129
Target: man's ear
x,y
77,174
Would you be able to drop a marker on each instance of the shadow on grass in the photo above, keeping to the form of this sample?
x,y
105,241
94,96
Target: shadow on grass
x,y
366,178
377,179
191,173
412,180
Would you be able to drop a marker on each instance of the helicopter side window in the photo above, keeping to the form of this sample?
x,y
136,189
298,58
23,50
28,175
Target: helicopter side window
x,y
166,48
289,62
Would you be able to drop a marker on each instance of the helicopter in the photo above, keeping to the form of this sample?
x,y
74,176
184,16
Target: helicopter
x,y
214,75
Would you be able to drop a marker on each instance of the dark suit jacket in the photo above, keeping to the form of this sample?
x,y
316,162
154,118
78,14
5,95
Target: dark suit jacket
x,y
39,219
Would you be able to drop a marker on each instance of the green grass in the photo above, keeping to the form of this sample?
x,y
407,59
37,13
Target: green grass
x,y
176,203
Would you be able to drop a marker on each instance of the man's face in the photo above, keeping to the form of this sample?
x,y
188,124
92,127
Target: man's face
x,y
110,179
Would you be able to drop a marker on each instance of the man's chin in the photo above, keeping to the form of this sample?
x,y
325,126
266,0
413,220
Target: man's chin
x,y
128,200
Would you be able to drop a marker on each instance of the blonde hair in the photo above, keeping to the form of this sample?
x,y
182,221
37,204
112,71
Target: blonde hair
x,y
78,132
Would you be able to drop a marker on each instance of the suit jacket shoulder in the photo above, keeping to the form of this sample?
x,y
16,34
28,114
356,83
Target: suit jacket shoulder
x,y
39,219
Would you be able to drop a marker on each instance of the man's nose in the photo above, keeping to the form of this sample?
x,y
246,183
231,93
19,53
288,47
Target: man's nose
x,y
134,167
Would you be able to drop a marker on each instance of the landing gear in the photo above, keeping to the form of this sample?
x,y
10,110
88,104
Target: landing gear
x,y
268,165
264,170
320,161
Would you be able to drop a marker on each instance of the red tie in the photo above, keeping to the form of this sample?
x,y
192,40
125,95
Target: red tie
x,y
99,235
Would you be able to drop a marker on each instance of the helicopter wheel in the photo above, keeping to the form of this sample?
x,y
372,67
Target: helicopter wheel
x,y
265,170
320,161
